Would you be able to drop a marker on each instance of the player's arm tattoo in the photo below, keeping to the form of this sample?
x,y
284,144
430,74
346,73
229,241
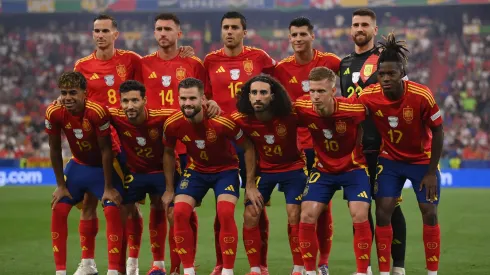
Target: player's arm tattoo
x,y
250,161
56,158
169,167
436,149
105,145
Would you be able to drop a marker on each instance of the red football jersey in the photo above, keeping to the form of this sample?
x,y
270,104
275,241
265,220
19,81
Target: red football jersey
x,y
294,77
275,141
80,131
105,76
227,74
208,144
142,143
404,125
336,139
162,77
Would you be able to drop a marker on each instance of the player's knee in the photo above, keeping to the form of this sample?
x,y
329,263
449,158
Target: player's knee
x,y
156,204
294,214
250,217
359,216
307,217
429,214
383,216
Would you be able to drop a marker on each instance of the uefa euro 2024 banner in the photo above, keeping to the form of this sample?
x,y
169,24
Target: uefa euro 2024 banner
x,y
463,178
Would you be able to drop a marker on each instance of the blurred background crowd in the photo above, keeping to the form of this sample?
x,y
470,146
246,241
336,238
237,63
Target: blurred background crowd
x,y
450,53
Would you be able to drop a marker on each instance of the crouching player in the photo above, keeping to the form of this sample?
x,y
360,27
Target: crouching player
x,y
266,116
212,163
334,125
86,127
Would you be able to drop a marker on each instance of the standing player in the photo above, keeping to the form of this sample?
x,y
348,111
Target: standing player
x,y
357,71
266,115
86,126
105,69
335,129
228,69
293,72
161,74
410,123
140,132
210,165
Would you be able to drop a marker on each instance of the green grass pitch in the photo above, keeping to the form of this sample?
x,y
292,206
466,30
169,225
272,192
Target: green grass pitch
x,y
25,244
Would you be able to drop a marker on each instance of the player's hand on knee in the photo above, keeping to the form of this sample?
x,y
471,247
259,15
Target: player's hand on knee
x,y
186,51
430,183
111,194
254,196
212,108
167,199
59,193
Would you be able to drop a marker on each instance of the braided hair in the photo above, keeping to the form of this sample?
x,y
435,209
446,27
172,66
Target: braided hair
x,y
393,51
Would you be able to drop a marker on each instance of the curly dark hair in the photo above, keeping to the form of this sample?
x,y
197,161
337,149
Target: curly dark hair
x,y
132,85
393,51
72,80
280,106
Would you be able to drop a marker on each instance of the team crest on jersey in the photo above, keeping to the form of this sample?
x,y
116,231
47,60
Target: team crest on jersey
x,y
47,124
153,133
281,130
200,144
248,66
141,141
340,127
393,121
368,70
166,79
78,133
408,114
235,74
327,133
184,184
86,125
269,139
180,73
355,77
109,80
211,135
121,71
305,84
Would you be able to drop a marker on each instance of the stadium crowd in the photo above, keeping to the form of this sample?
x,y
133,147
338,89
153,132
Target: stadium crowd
x,y
31,59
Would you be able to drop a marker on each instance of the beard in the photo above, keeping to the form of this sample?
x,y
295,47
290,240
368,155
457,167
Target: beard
x,y
362,40
195,111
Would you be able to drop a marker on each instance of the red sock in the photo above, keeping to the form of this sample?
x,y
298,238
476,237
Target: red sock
x,y
362,245
195,229
114,234
134,227
88,230
252,243
183,233
432,245
228,235
264,236
174,255
59,233
293,234
308,245
324,234
217,247
384,237
124,248
158,233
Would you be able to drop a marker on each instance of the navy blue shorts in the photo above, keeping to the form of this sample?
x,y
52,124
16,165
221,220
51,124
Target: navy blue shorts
x,y
292,183
322,186
82,178
393,174
197,184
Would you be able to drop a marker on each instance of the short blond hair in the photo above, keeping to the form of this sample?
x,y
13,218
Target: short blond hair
x,y
321,73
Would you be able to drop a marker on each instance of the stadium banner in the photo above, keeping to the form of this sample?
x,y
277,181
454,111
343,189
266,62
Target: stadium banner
x,y
112,5
40,6
14,6
324,4
291,4
67,6
353,3
463,178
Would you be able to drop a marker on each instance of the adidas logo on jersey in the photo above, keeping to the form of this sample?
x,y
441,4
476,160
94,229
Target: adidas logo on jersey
x,y
128,134
68,126
94,77
186,138
312,126
379,113
230,188
153,75
293,80
255,134
298,198
220,70
363,194
347,71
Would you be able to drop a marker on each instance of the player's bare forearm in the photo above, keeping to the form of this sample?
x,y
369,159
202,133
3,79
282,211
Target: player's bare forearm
x,y
56,159
436,151
105,145
250,162
169,167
